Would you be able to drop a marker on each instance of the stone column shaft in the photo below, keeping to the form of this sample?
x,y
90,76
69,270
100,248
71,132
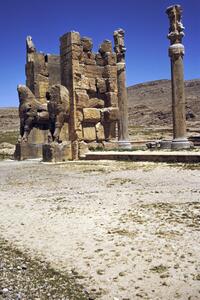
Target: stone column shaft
x,y
68,44
176,53
178,99
123,103
120,50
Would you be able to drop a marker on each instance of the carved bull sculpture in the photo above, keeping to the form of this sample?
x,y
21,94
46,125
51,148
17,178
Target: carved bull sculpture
x,y
51,115
58,108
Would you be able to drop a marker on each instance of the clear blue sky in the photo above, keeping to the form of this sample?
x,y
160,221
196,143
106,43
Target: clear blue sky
x,y
144,21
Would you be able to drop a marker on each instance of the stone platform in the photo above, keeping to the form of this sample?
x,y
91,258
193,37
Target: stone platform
x,y
25,151
153,156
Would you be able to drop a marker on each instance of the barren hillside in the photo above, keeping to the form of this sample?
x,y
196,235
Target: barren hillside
x,y
9,120
150,103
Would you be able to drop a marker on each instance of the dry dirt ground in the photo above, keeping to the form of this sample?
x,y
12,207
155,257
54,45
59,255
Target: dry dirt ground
x,y
120,230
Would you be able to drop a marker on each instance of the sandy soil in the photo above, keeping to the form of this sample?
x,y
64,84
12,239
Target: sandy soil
x,y
124,230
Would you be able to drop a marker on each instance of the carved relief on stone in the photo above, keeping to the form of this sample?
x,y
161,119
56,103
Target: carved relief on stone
x,y
58,108
31,112
51,116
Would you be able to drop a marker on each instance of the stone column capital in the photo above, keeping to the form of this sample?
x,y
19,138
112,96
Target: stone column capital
x,y
119,48
176,50
176,29
121,67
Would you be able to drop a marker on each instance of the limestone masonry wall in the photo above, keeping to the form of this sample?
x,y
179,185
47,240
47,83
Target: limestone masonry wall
x,y
92,82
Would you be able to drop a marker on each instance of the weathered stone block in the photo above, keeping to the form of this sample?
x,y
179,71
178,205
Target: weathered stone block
x,y
70,38
86,43
94,145
64,133
79,115
96,103
41,86
81,82
25,151
55,152
53,69
111,99
110,145
91,115
79,133
81,99
92,85
110,72
89,133
111,59
89,61
100,132
111,114
77,53
40,66
101,85
111,85
83,148
100,61
110,130
79,129
93,71
106,46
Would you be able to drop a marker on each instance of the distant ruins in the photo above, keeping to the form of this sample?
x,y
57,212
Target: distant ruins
x,y
74,101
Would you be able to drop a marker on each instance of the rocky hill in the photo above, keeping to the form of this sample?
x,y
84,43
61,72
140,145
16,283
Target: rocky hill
x,y
9,120
150,103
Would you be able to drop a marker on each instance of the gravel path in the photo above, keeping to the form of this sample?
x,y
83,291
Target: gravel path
x,y
121,230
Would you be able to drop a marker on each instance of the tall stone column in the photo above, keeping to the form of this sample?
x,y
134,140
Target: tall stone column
x,y
120,50
176,53
69,52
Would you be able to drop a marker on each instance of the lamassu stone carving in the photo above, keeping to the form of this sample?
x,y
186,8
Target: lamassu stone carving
x,y
58,109
51,115
32,113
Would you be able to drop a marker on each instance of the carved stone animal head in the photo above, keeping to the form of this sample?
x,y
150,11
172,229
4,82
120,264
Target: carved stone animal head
x,y
25,94
28,104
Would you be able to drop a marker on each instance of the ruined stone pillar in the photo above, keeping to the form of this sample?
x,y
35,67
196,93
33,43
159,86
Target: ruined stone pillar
x,y
69,53
176,53
120,50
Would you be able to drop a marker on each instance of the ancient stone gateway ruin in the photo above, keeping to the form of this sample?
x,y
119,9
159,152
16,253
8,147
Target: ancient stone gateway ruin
x,y
77,100
96,87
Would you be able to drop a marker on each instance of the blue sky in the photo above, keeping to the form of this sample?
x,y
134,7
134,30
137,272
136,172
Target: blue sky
x,y
145,23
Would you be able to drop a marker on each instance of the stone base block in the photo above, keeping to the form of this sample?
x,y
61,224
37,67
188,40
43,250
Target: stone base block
x,y
124,145
181,144
165,144
83,149
111,145
27,151
55,152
